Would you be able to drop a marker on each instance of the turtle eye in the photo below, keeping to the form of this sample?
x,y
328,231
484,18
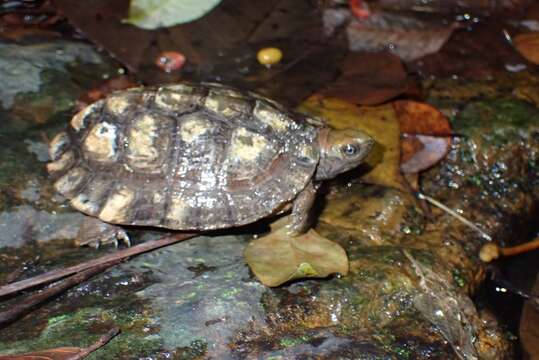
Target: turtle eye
x,y
349,150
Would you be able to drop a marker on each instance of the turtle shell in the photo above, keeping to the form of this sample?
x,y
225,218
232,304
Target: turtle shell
x,y
185,157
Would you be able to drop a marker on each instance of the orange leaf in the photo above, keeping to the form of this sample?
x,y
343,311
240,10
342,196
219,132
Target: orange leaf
x,y
420,118
527,45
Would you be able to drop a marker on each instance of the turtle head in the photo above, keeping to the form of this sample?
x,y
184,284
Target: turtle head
x,y
341,150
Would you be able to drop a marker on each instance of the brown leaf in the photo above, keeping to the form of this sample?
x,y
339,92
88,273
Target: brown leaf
x,y
476,7
369,79
527,45
407,36
222,45
277,257
138,49
121,82
65,353
379,122
420,152
62,353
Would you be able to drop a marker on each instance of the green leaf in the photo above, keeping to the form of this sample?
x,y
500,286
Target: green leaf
x,y
277,258
153,14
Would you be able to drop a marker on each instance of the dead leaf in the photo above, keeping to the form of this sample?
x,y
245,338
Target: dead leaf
x,y
369,79
222,45
420,118
379,122
470,58
62,353
121,82
137,49
407,36
65,353
420,152
277,257
527,45
476,7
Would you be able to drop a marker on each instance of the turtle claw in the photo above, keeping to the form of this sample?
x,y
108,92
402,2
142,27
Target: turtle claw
x,y
123,237
94,233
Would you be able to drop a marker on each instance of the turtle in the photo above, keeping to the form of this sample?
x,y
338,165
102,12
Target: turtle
x,y
194,156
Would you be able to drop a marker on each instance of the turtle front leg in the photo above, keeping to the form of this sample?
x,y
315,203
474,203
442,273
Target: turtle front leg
x,y
301,208
94,232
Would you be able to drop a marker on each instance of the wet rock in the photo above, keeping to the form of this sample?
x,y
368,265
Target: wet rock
x,y
22,66
40,81
24,224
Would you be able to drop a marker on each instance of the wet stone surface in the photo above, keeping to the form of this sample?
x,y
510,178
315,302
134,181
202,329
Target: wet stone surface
x,y
407,294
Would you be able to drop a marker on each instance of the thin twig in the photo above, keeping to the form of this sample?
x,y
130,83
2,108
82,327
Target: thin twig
x,y
103,340
454,214
118,255
23,307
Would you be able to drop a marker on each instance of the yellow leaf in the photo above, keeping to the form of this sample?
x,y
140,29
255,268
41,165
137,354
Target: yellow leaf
x,y
277,257
380,122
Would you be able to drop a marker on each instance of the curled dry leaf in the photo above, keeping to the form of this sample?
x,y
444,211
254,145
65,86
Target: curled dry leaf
x,y
425,135
527,45
379,122
420,152
277,257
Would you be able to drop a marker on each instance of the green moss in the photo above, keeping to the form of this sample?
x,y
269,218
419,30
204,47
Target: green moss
x,y
83,327
458,277
293,341
402,352
496,121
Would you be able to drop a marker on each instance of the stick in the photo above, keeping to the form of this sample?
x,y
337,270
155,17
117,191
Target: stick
x,y
102,341
454,214
118,255
21,308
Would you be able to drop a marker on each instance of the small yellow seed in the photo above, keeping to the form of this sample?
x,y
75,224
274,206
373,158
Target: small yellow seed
x,y
489,252
269,56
